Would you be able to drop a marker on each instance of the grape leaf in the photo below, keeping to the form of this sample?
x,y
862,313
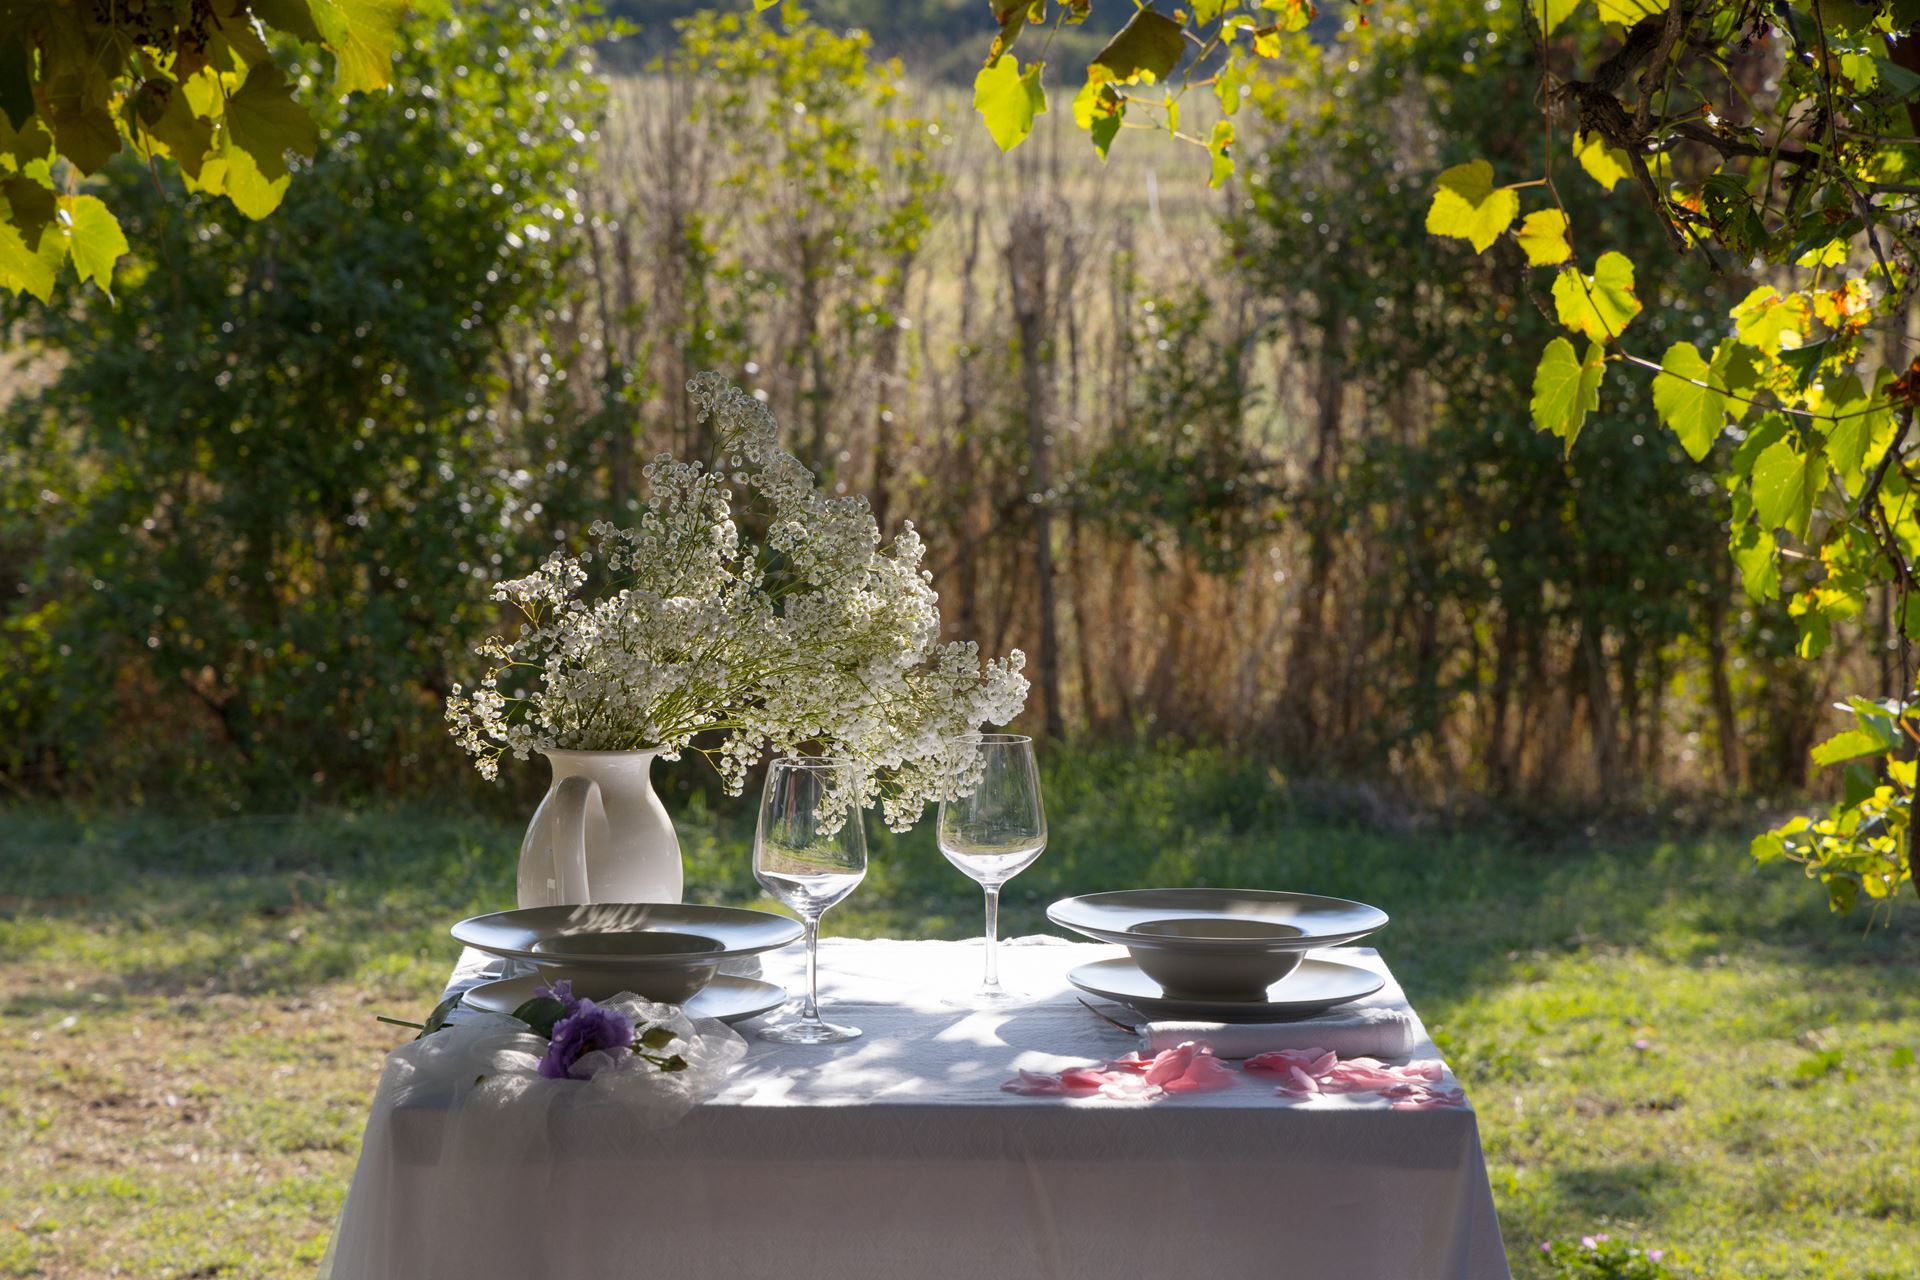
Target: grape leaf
x,y
1146,49
1099,110
94,239
1784,484
1628,12
1566,389
28,265
1691,411
1467,206
263,123
1752,548
1604,164
1220,147
1544,236
1600,305
363,35
1763,319
1551,13
1008,99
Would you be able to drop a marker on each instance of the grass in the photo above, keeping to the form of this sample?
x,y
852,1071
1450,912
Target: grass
x,y
1662,1043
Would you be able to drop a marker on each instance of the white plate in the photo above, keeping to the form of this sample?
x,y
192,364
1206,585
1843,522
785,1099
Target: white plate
x,y
1320,921
539,933
728,998
1316,986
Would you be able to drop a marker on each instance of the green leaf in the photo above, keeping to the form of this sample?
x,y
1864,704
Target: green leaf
x,y
541,1013
1544,237
1628,12
263,123
28,264
1605,165
1551,13
1600,305
1806,361
1220,147
94,239
1785,482
1855,421
655,1038
1147,49
1691,411
295,17
441,1012
1099,110
1902,82
1752,548
1008,99
1467,206
1565,389
1851,744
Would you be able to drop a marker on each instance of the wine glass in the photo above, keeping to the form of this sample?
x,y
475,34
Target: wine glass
x,y
809,851
995,832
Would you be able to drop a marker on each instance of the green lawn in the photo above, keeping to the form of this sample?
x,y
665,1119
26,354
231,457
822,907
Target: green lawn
x,y
1662,1043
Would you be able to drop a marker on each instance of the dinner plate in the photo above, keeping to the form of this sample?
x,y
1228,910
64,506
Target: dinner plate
x,y
540,933
1316,986
1319,921
728,998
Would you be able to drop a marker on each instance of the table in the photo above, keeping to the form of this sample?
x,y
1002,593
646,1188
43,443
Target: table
x,y
898,1155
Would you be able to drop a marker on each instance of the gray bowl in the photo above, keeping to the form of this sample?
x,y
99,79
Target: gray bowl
x,y
667,967
1219,969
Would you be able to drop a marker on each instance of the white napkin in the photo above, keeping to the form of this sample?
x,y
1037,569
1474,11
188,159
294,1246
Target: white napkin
x,y
1363,1032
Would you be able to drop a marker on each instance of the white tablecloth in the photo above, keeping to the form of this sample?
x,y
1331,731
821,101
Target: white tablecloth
x,y
897,1155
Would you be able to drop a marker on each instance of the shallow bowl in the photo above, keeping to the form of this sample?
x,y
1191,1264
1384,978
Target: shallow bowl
x,y
1215,971
668,967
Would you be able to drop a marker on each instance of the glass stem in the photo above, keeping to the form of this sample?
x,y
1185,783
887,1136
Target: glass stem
x,y
811,1012
992,982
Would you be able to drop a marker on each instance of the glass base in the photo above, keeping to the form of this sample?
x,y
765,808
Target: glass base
x,y
987,998
810,1033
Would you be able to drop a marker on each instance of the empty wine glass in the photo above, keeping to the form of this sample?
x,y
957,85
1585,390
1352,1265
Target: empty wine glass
x,y
810,851
995,832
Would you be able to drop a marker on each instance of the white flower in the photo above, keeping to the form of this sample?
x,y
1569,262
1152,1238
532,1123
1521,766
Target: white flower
x,y
816,637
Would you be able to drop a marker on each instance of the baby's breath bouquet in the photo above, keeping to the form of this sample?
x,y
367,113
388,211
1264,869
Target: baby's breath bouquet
x,y
684,632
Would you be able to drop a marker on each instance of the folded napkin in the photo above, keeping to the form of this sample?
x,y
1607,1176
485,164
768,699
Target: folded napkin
x,y
1369,1032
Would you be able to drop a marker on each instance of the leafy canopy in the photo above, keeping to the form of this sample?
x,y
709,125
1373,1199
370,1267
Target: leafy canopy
x,y
212,87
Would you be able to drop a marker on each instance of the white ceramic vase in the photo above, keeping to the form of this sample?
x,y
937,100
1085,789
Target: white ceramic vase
x,y
600,834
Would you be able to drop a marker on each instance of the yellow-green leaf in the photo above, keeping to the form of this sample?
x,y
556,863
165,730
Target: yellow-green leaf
x,y
1220,147
1099,110
1008,99
1604,164
1688,401
1566,389
363,35
1752,548
1544,236
1628,12
25,265
263,123
94,239
1598,305
1764,319
1467,206
1551,13
1784,485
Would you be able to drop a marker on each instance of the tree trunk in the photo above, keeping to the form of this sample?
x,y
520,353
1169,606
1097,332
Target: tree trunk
x,y
1028,247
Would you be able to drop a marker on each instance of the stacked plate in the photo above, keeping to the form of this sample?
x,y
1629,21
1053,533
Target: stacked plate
x,y
1229,955
671,953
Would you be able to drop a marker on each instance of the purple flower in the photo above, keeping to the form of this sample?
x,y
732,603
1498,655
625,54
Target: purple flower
x,y
586,1027
1654,1255
560,989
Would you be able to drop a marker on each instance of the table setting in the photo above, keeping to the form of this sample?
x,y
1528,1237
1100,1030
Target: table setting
x,y
1185,1075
